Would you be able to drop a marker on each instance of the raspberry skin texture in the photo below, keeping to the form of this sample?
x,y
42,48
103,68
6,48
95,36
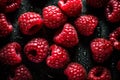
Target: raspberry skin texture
x,y
118,66
70,7
59,57
5,27
114,36
97,3
75,71
113,11
67,37
10,54
53,17
99,73
30,23
21,73
86,24
36,49
10,5
101,49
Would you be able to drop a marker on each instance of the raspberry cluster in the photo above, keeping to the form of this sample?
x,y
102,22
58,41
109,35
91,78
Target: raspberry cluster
x,y
67,35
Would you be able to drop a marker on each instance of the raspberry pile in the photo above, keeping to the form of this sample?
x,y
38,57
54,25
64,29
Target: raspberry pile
x,y
69,27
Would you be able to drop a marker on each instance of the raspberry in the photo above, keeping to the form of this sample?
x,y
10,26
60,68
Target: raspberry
x,y
59,57
21,73
99,73
71,7
10,54
36,50
86,24
30,23
75,71
101,49
53,17
97,3
67,37
113,11
114,36
10,5
118,66
5,27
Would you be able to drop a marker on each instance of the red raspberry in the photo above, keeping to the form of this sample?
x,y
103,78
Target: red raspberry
x,y
113,11
75,71
97,3
114,36
101,49
10,5
70,7
5,27
99,73
118,65
53,17
59,57
21,73
10,54
67,37
30,23
86,24
36,50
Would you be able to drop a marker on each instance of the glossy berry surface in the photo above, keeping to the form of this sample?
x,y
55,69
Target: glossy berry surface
x,y
53,17
68,37
36,50
75,71
99,73
30,23
101,49
58,58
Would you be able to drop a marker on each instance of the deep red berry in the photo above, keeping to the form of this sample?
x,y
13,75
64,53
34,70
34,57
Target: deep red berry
x,y
9,5
86,24
70,7
5,27
30,23
75,71
67,37
118,65
97,3
113,11
36,50
114,38
21,73
59,57
99,73
10,54
101,49
53,17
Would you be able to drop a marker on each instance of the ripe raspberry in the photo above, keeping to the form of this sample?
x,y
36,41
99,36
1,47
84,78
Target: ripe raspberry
x,y
53,17
101,49
114,38
30,23
99,73
36,50
70,7
10,54
67,37
5,27
113,11
118,65
59,57
10,5
75,71
21,73
86,24
97,3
